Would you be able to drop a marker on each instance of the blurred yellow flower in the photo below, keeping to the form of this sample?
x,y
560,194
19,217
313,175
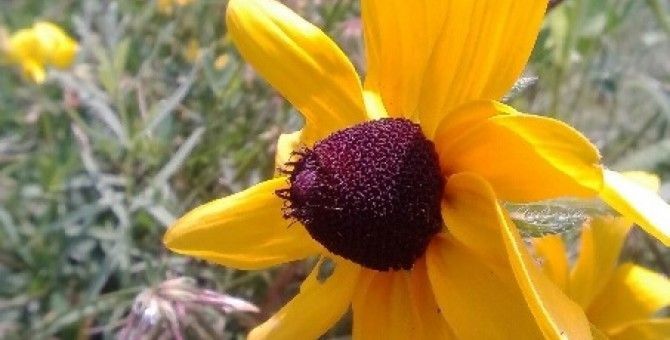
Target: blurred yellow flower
x,y
192,50
620,301
40,46
168,6
221,61
396,181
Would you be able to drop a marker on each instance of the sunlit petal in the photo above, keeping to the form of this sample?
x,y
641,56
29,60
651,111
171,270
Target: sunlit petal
x,y
399,36
644,330
398,305
301,62
555,314
553,258
524,157
245,230
482,50
601,243
633,293
468,290
286,145
637,203
315,309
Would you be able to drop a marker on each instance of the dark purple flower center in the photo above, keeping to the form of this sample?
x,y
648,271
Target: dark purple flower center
x,y
369,193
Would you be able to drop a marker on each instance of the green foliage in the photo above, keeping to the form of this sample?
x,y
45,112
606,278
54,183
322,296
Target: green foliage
x,y
97,162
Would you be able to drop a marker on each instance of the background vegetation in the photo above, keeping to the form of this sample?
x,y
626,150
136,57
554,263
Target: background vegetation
x,y
160,114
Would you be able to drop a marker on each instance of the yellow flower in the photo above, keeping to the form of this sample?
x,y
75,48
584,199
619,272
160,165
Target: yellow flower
x,y
192,50
221,61
42,45
167,6
620,301
397,181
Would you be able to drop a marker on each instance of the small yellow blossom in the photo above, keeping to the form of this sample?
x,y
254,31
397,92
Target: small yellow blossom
x,y
167,6
221,61
42,45
192,50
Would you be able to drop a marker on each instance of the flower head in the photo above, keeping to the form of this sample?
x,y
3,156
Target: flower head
x,y
620,300
44,44
398,180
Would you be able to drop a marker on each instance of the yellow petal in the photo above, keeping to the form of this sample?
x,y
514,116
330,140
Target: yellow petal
x,y
34,71
482,50
245,230
301,62
398,305
467,213
374,105
467,117
645,179
524,157
287,143
600,248
598,334
553,259
633,293
23,45
644,330
382,310
428,318
476,301
399,36
58,47
556,315
637,203
315,309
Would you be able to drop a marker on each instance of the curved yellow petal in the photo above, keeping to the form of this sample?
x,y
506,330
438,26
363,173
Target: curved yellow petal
x,y
553,259
465,118
524,157
301,62
315,309
633,293
467,214
556,315
398,305
644,330
636,202
476,301
599,251
482,50
245,230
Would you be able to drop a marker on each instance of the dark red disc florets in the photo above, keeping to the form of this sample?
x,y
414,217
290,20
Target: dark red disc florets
x,y
369,193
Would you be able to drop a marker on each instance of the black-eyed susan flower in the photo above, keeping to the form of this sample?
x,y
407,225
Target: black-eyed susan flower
x,y
45,44
622,301
398,181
